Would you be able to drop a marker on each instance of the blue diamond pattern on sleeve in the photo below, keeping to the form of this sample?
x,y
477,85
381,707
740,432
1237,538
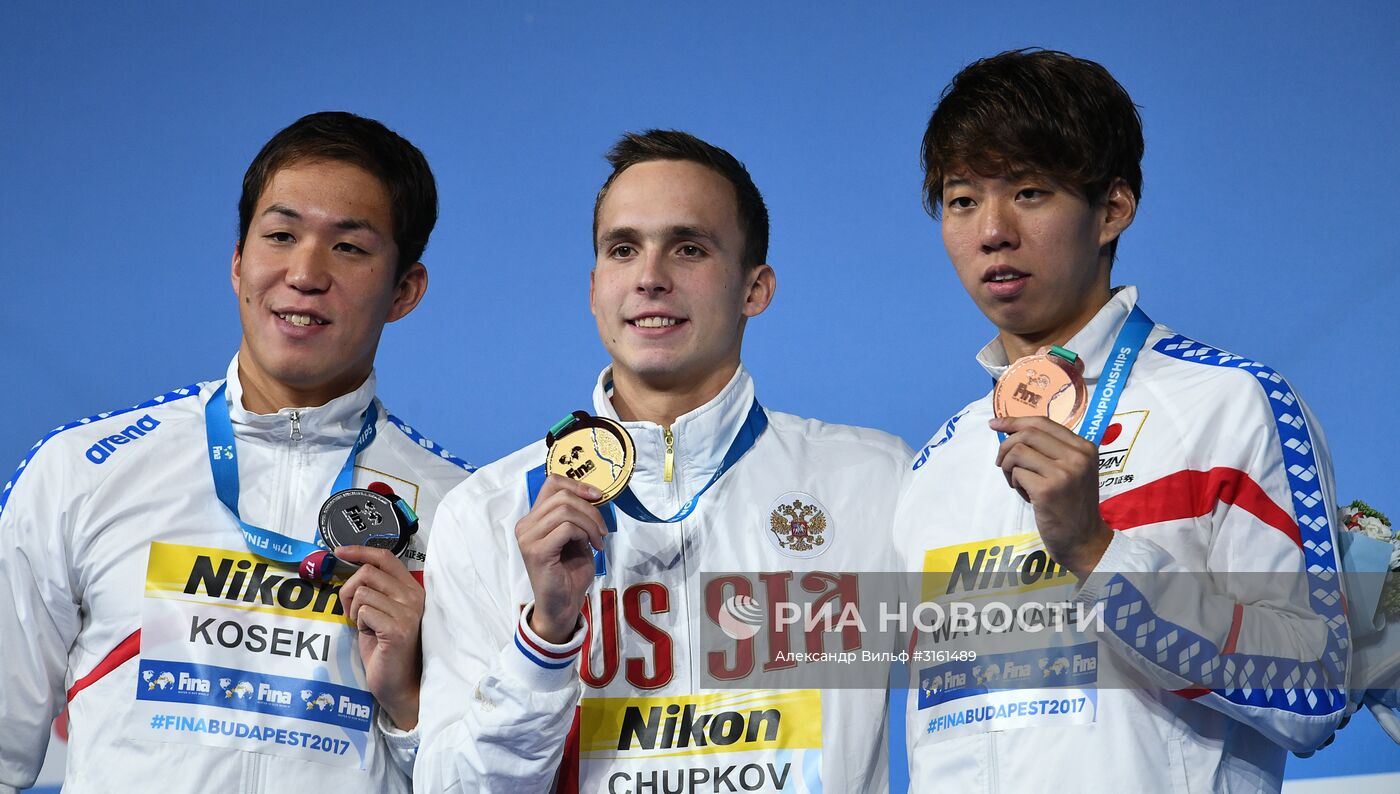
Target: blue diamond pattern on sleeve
x,y
429,444
1299,686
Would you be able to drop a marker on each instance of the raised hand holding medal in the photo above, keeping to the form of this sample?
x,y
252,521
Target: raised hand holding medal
x,y
370,528
1037,402
589,461
587,449
1044,460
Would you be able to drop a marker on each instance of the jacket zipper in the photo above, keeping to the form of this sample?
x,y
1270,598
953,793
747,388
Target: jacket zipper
x,y
285,488
677,499
670,455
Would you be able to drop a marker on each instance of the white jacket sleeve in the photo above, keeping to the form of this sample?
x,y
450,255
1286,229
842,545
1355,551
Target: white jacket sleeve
x,y
402,746
497,701
38,614
1261,635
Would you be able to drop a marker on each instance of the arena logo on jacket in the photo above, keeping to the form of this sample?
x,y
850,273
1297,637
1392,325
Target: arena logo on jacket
x,y
107,447
942,437
239,652
732,741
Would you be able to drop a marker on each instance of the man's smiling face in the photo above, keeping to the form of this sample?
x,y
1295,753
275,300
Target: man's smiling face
x,y
669,289
316,280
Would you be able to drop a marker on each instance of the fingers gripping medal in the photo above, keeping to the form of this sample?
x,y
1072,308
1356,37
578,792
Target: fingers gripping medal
x,y
372,517
592,450
1049,383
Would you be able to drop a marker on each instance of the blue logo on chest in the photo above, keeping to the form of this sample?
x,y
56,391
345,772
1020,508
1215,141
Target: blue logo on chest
x,y
947,435
99,453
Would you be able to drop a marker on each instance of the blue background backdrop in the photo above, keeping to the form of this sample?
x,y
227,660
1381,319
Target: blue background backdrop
x,y
1268,224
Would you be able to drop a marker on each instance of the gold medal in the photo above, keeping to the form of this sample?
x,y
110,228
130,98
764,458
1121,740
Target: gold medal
x,y
1049,383
593,450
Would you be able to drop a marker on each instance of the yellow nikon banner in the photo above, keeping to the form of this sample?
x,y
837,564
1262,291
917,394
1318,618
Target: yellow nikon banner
x,y
730,741
238,580
991,567
700,724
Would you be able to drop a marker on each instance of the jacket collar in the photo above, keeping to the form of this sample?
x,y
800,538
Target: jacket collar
x,y
1092,343
700,437
338,422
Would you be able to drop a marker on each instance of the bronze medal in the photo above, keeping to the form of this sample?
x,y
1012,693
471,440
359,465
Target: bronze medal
x,y
591,449
1049,383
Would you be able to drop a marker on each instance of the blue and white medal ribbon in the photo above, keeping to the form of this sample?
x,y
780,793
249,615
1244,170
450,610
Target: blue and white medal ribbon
x,y
754,424
218,431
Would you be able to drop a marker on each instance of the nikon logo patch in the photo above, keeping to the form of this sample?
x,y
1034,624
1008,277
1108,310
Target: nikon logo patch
x,y
1013,564
685,726
700,724
238,580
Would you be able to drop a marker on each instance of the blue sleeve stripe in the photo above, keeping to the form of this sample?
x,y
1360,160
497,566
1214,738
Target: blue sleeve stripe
x,y
1272,682
549,664
168,397
429,444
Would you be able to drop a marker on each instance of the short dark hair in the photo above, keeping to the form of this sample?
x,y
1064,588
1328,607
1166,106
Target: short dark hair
x,y
345,137
633,148
1035,111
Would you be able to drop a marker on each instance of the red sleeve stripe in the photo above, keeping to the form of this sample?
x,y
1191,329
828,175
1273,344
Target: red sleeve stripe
x,y
1190,494
1234,636
548,654
1191,694
125,651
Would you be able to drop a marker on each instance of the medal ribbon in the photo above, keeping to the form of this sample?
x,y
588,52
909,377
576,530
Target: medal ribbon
x,y
754,425
218,431
1131,338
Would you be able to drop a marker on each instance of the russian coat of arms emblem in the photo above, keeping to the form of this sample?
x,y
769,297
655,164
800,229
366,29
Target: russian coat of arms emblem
x,y
799,526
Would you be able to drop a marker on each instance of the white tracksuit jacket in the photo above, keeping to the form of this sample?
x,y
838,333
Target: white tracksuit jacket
x,y
499,704
241,678
1211,463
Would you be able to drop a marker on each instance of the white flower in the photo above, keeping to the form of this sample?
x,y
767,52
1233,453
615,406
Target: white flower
x,y
1372,527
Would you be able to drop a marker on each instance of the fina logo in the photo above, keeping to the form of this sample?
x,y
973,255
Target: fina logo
x,y
320,701
240,690
99,453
